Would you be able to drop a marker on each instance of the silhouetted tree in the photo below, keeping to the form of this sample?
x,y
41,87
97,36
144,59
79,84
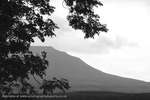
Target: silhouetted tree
x,y
62,84
49,86
22,20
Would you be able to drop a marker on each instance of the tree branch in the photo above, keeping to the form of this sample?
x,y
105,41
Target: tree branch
x,y
36,79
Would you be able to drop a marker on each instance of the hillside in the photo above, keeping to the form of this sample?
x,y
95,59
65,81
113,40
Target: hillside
x,y
86,78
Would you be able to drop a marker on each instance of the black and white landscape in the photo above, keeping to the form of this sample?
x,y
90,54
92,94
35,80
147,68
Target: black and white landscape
x,y
90,83
84,77
79,49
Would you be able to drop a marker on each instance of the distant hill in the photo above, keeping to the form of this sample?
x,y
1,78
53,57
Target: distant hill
x,y
86,78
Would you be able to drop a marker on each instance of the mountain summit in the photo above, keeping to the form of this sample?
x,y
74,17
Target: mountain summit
x,y
83,77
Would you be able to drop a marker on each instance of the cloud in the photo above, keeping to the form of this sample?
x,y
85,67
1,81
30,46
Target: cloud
x,y
77,44
70,40
114,43
62,23
101,45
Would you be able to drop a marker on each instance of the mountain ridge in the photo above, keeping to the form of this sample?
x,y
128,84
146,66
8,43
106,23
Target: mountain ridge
x,y
83,77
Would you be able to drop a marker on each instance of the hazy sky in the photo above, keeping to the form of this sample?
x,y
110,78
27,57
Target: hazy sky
x,y
124,50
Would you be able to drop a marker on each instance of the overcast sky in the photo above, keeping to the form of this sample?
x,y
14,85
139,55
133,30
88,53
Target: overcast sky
x,y
124,50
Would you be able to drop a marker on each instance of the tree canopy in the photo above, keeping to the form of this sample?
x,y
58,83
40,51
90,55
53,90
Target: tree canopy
x,y
22,20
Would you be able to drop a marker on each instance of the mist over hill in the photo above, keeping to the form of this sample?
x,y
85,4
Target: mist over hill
x,y
83,77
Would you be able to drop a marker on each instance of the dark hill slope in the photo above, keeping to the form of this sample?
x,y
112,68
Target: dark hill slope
x,y
86,78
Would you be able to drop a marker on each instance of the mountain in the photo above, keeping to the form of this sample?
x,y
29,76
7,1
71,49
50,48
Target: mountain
x,y
83,77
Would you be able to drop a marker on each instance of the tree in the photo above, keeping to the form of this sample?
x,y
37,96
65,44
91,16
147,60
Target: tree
x,y
49,86
22,20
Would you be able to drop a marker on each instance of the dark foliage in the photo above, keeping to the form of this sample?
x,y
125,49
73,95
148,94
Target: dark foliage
x,y
81,16
21,21
49,86
18,68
